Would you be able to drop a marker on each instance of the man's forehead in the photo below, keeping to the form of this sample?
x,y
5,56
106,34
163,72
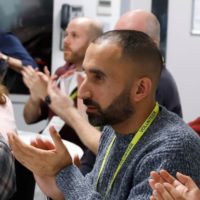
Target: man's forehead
x,y
106,48
78,24
105,56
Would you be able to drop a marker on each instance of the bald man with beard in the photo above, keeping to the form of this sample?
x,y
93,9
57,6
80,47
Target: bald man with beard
x,y
167,92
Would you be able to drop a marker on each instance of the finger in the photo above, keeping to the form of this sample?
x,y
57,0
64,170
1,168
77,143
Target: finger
x,y
59,145
152,198
163,192
51,82
156,176
46,71
168,177
186,180
25,78
173,192
20,149
52,87
152,183
42,144
34,143
43,77
29,70
25,74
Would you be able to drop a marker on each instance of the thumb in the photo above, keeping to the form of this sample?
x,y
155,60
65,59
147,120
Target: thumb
x,y
46,71
59,145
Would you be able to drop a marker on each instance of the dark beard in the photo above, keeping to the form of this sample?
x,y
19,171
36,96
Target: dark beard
x,y
118,111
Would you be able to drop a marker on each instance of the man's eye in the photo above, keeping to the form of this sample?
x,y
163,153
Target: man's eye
x,y
74,35
98,77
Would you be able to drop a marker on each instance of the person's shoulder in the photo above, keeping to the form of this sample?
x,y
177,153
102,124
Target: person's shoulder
x,y
166,78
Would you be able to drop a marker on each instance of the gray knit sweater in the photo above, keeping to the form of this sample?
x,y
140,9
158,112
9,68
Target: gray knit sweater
x,y
168,144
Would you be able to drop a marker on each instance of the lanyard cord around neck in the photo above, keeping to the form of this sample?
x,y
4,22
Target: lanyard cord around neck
x,y
130,147
74,93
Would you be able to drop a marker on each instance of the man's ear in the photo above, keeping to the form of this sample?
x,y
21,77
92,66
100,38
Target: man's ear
x,y
142,88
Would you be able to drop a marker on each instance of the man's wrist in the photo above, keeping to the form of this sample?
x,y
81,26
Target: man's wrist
x,y
34,100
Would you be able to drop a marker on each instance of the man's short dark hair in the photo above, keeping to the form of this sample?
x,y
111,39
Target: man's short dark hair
x,y
138,48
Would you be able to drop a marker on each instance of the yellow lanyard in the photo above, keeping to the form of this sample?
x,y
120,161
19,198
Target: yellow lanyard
x,y
130,147
74,93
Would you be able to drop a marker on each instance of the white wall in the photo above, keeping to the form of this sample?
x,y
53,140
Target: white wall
x,y
90,9
183,58
18,106
140,4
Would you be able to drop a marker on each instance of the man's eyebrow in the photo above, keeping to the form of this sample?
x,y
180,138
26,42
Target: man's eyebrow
x,y
97,72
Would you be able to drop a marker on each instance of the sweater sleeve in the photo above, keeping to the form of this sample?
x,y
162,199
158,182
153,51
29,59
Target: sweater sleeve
x,y
75,186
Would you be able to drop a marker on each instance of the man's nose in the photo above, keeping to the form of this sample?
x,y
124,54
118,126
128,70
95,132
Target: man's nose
x,y
83,90
67,40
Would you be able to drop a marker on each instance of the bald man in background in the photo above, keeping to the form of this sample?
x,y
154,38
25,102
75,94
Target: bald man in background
x,y
144,21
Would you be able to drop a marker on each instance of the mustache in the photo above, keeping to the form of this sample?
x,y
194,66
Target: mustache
x,y
67,48
90,102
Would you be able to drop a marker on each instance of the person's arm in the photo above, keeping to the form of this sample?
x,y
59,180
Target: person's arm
x,y
89,135
37,84
166,187
7,171
32,110
14,63
64,108
48,163
15,53
48,186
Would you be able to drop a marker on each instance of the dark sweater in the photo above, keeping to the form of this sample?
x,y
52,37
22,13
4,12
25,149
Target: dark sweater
x,y
168,144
